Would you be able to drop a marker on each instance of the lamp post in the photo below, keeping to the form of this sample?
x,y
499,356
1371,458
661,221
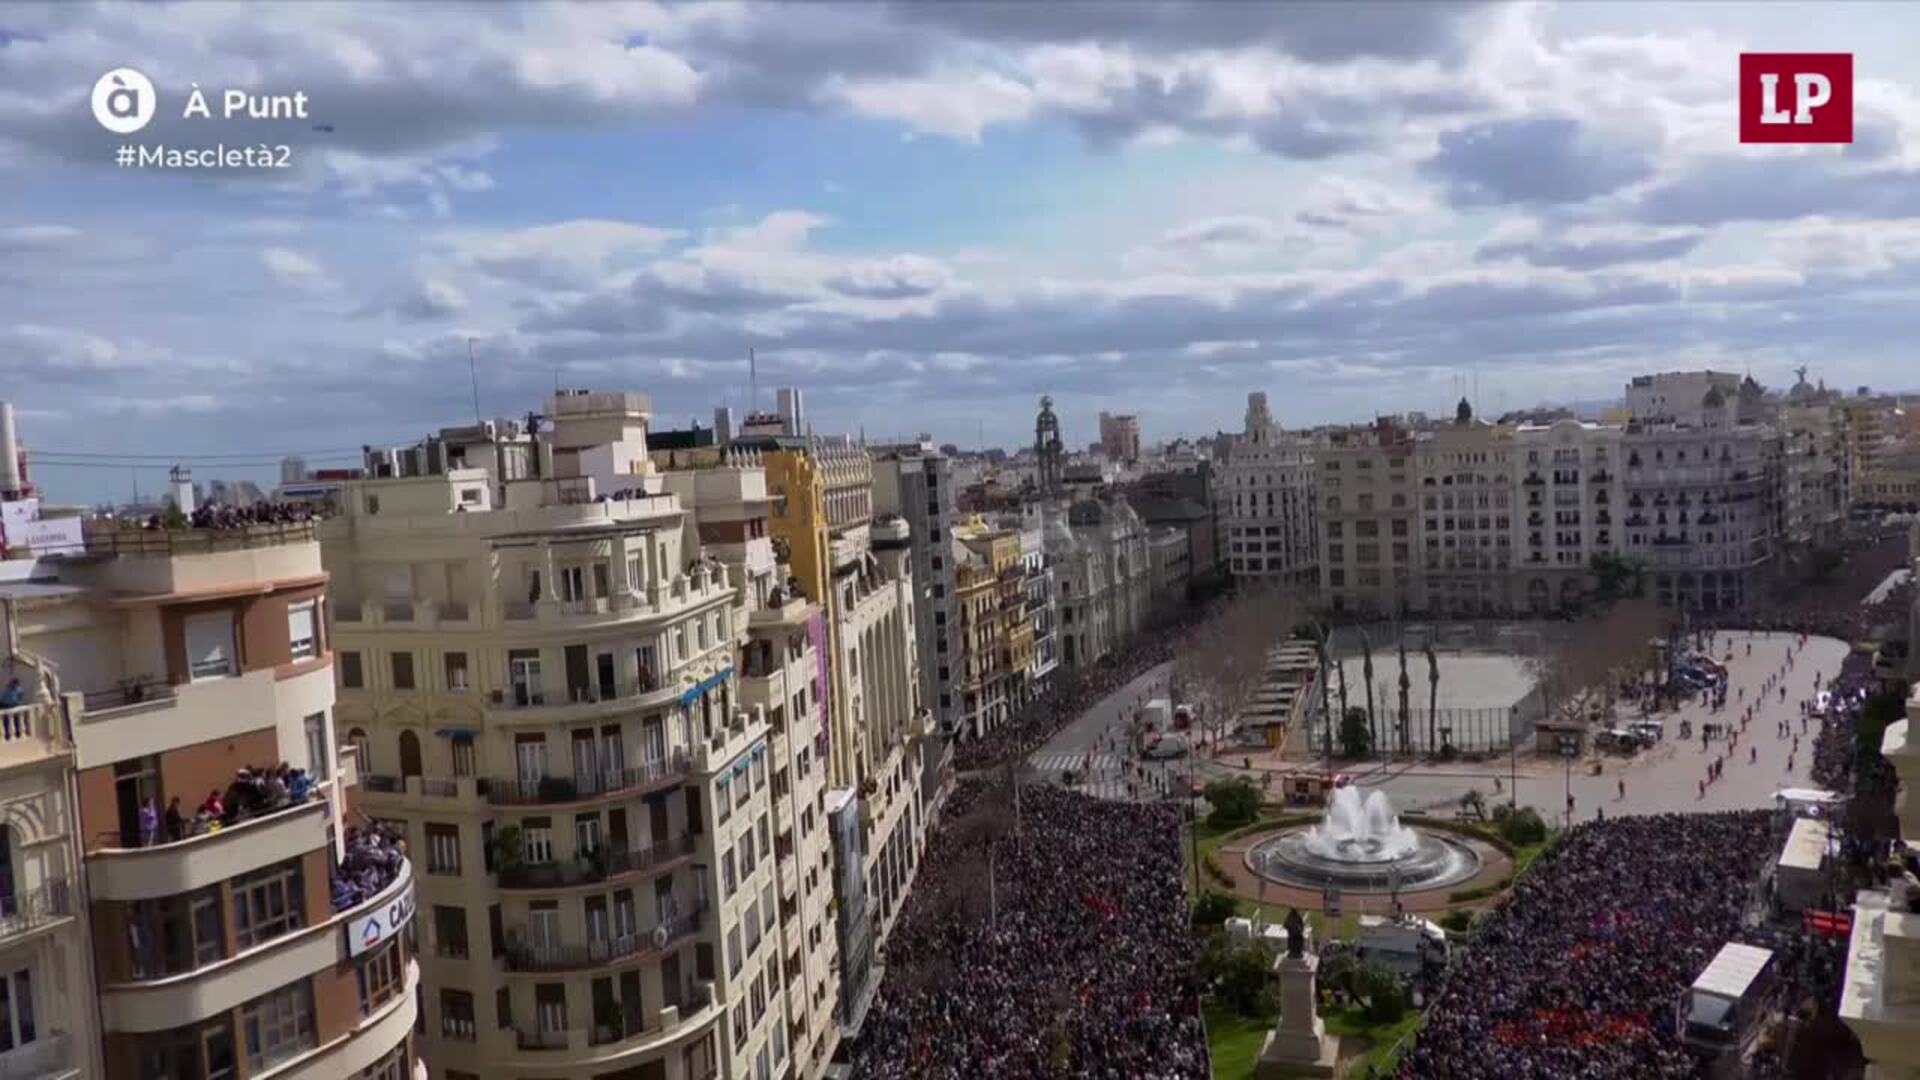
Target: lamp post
x,y
1571,750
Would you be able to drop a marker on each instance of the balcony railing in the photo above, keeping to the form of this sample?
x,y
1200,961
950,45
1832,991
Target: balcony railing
x,y
140,691
628,1023
51,1055
34,908
595,868
548,790
113,539
525,957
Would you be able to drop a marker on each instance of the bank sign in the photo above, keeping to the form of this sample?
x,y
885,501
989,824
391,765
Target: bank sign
x,y
382,923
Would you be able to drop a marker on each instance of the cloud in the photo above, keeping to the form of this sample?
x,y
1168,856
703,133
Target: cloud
x,y
432,298
290,267
563,255
1538,159
1589,247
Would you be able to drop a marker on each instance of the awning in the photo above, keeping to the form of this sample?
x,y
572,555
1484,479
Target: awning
x,y
696,692
457,734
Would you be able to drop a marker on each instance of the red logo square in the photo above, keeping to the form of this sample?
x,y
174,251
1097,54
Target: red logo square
x,y
1796,97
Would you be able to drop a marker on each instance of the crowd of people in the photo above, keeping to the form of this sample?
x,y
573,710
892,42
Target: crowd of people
x,y
375,853
252,793
1578,973
221,516
1050,944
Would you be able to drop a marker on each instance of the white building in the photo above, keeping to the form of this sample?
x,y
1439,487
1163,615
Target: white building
x,y
1264,500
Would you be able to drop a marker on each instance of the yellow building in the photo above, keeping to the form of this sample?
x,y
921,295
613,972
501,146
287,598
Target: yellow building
x,y
996,635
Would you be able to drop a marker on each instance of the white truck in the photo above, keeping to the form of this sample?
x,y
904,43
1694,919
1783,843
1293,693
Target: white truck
x,y
1403,945
1718,1013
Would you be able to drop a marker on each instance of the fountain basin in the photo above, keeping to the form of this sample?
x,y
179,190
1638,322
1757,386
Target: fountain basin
x,y
1361,846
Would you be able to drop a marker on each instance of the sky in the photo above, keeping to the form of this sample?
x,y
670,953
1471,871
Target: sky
x,y
926,215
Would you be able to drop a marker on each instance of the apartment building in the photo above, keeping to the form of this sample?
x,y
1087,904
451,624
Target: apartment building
x,y
888,768
1369,516
1264,501
169,673
995,631
1468,506
1103,573
540,666
1120,437
916,482
1813,446
1702,509
1567,508
1868,432
1042,604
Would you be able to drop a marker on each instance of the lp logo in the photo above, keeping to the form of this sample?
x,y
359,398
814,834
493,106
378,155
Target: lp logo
x,y
1796,97
123,101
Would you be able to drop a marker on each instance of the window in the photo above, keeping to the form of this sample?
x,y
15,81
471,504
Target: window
x,y
456,666
319,758
450,931
456,1015
403,671
727,879
351,677
443,849
210,649
537,840
276,1026
302,636
16,1010
394,1066
381,976
267,904
204,1053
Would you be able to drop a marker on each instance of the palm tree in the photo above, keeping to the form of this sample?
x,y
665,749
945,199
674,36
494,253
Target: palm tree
x,y
1320,640
1366,670
1433,698
1406,714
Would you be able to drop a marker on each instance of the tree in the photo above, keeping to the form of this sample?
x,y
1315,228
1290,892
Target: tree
x,y
1366,670
1433,697
1320,646
1380,988
1225,660
1519,827
1239,976
1406,713
1213,908
1356,735
1235,803
1580,668
1617,576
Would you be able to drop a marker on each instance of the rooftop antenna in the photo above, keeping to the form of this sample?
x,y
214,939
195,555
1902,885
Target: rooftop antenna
x,y
473,371
753,382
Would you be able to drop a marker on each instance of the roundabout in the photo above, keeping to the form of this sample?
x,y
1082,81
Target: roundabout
x,y
1362,846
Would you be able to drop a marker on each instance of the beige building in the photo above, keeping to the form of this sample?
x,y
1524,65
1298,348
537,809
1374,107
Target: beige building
x,y
1264,498
1567,508
1369,492
541,666
1814,449
1880,997
1103,574
1120,437
158,665
1703,509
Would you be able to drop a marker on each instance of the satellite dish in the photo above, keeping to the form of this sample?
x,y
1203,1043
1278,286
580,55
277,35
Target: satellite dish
x,y
660,936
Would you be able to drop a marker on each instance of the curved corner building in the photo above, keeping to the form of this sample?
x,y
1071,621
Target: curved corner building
x,y
156,665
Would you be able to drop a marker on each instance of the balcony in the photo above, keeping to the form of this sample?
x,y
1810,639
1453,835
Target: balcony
x,y
179,866
26,912
560,790
115,541
33,733
539,959
52,1057
629,1034
605,866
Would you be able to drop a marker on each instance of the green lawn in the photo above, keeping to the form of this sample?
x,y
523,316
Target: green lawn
x,y
1234,1042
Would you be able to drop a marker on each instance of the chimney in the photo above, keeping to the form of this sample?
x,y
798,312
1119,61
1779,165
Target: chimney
x,y
11,483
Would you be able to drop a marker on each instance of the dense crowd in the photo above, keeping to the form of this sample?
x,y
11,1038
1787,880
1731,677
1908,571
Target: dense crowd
x,y
1057,949
375,854
253,792
1578,972
219,516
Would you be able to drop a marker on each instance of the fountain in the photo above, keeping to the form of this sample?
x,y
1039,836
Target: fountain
x,y
1361,846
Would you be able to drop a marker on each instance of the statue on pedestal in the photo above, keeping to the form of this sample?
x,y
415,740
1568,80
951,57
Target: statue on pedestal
x,y
1296,934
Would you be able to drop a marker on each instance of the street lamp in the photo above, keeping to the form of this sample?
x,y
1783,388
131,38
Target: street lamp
x,y
1570,750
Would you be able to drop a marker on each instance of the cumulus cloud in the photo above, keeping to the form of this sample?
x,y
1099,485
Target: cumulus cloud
x,y
1537,159
1588,247
296,269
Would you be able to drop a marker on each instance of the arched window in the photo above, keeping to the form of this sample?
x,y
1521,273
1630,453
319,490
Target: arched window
x,y
362,747
409,754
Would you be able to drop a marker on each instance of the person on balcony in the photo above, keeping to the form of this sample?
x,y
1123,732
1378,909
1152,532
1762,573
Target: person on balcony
x,y
175,824
149,823
12,697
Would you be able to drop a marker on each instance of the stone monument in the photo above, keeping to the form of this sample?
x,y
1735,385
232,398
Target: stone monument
x,y
1298,1045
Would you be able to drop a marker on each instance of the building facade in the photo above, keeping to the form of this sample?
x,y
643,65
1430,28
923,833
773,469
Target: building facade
x,y
1264,484
917,483
541,670
177,679
1120,437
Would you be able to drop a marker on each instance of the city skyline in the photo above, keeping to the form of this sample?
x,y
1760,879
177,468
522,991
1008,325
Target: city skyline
x,y
928,217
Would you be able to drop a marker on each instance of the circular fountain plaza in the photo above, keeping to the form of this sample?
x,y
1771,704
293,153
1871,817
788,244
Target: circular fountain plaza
x,y
1363,848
